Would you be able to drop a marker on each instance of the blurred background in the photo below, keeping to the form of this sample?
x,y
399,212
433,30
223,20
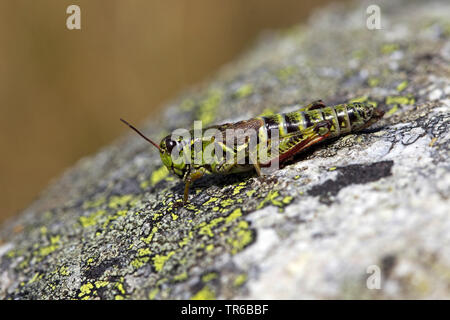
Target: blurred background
x,y
62,91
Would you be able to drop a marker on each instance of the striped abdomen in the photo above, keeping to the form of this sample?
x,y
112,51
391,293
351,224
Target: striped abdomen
x,y
343,117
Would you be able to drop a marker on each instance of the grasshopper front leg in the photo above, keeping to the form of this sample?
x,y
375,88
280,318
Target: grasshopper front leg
x,y
190,178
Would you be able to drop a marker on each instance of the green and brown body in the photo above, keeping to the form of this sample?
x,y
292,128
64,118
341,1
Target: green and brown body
x,y
296,131
290,133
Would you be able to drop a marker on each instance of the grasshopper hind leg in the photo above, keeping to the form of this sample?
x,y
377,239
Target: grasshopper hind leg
x,y
300,141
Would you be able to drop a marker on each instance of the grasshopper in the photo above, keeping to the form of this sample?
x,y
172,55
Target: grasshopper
x,y
296,131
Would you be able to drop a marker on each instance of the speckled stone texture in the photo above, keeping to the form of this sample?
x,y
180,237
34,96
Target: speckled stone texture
x,y
376,200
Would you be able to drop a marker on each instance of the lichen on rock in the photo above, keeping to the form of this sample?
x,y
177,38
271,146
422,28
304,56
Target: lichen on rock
x,y
111,227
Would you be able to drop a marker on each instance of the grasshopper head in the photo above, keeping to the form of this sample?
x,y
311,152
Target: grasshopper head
x,y
172,156
171,152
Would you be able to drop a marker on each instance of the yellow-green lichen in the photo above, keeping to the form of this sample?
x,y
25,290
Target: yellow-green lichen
x,y
185,240
209,276
359,99
373,82
139,262
393,110
101,284
274,198
113,217
159,214
238,188
120,287
34,278
94,203
243,237
400,100
244,90
64,271
240,280
144,252
402,86
160,260
157,176
206,293
211,200
359,54
205,228
54,245
226,202
85,289
191,207
150,236
120,201
92,219
24,263
389,48
161,281
181,276
285,73
11,254
234,215
187,105
152,294
374,103
207,109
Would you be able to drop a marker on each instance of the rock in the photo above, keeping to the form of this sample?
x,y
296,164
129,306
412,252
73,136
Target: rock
x,y
370,204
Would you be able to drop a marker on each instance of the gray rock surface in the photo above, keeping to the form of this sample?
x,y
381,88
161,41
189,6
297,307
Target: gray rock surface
x,y
321,227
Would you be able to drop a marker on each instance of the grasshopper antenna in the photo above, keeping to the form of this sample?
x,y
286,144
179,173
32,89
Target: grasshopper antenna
x,y
141,134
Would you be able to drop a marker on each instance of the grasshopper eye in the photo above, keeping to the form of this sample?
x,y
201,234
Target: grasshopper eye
x,y
170,144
